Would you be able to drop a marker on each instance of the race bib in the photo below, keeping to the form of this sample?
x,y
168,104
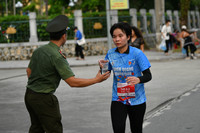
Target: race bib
x,y
124,89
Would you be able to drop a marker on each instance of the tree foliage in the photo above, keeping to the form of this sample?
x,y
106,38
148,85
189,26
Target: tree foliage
x,y
57,6
59,2
196,4
30,8
139,4
62,6
93,5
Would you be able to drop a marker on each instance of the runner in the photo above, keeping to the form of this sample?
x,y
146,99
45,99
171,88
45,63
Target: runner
x,y
130,70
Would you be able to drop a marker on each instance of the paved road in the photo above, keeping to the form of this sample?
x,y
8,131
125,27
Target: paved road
x,y
179,116
87,110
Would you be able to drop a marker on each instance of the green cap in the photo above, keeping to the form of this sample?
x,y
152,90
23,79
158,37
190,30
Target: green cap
x,y
59,23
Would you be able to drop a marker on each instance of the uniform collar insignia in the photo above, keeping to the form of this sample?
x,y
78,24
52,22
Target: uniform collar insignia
x,y
62,54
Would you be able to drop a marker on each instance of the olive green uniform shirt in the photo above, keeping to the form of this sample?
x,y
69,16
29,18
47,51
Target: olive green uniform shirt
x,y
48,66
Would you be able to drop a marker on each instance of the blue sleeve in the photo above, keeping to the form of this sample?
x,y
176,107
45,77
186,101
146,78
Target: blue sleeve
x,y
143,62
78,35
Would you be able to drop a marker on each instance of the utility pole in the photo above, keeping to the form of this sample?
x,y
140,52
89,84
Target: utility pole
x,y
159,10
108,24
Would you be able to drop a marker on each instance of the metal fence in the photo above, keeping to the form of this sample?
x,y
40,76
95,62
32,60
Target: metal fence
x,y
22,32
126,19
150,24
93,27
44,36
140,23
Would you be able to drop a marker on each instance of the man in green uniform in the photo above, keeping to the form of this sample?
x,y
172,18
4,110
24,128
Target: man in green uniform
x,y
45,70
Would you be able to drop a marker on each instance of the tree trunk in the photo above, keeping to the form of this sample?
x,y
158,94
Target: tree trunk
x,y
6,7
41,7
14,9
185,6
46,7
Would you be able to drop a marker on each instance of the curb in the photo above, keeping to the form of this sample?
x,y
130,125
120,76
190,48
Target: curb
x,y
90,62
166,104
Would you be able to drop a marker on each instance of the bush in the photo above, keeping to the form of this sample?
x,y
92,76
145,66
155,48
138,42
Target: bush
x,y
55,10
94,14
13,18
30,8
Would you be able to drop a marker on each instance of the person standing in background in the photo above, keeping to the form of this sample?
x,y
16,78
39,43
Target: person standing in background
x,y
137,39
165,34
78,48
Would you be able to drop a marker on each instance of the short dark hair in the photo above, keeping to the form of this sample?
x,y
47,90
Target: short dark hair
x,y
167,21
125,27
75,28
57,35
138,33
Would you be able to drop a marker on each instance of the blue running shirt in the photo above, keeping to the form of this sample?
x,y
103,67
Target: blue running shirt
x,y
78,35
125,65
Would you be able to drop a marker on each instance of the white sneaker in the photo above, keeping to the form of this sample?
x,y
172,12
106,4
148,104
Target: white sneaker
x,y
193,57
187,58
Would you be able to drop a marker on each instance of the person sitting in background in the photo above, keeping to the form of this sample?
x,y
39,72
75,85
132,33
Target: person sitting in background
x,y
195,39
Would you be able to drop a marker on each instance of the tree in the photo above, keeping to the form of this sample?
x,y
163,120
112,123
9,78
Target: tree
x,y
196,3
90,5
93,5
57,6
172,4
46,7
2,8
139,4
185,6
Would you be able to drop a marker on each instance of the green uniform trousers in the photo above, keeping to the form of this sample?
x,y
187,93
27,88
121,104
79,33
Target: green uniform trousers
x,y
44,112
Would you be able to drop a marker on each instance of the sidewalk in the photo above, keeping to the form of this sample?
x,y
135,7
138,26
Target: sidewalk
x,y
93,60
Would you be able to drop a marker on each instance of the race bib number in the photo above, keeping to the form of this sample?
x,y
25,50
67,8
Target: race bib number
x,y
124,89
